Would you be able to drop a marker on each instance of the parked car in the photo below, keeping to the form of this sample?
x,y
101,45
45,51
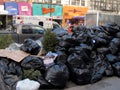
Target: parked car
x,y
20,32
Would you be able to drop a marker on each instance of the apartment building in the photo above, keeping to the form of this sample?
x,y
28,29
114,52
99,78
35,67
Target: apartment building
x,y
104,5
63,2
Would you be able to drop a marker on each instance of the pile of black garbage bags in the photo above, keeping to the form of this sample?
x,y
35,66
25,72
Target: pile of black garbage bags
x,y
84,57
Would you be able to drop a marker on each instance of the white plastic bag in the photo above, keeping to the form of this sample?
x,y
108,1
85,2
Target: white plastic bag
x,y
49,59
27,84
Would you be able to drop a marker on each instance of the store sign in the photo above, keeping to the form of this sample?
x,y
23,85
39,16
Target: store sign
x,y
24,8
47,10
11,7
72,11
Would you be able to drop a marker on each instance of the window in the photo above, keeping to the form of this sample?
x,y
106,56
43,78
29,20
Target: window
x,y
41,23
82,3
56,1
26,29
32,29
37,1
37,30
55,26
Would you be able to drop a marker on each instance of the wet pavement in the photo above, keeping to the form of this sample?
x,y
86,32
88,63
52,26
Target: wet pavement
x,y
107,83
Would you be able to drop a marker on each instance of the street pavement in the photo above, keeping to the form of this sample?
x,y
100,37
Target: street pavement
x,y
107,83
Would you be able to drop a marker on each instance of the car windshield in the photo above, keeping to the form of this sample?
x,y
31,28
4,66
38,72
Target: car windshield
x,y
32,29
55,26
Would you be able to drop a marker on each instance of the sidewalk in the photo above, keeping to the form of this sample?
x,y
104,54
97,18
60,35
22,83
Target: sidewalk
x,y
108,83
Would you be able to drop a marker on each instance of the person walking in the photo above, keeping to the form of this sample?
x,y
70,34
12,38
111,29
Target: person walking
x,y
1,25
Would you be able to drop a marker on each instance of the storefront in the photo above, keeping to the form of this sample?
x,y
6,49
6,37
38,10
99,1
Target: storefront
x,y
50,10
24,8
74,13
3,14
12,9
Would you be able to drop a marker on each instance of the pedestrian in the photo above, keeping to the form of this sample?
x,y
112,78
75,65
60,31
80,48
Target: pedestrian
x,y
1,24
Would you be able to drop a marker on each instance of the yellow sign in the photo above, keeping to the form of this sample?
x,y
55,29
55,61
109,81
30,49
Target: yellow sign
x,y
71,11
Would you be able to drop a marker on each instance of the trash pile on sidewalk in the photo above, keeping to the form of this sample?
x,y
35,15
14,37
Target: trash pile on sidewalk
x,y
83,57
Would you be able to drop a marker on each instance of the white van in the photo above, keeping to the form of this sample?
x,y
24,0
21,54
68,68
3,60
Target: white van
x,y
44,21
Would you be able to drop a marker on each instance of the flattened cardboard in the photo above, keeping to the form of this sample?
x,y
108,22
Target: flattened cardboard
x,y
15,55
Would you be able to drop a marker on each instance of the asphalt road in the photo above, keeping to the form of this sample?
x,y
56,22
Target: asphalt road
x,y
108,83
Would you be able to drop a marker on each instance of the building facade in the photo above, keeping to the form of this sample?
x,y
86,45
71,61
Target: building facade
x,y
63,2
104,5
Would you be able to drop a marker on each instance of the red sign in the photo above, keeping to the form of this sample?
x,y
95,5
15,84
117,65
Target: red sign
x,y
47,10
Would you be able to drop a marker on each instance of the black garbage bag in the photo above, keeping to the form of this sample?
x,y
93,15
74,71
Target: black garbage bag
x,y
44,84
110,24
83,38
58,48
74,60
15,69
98,69
11,73
116,68
111,28
33,67
103,50
75,29
115,41
3,86
30,46
98,42
115,45
93,54
100,29
60,33
118,34
32,62
82,28
57,75
64,44
83,51
109,70
4,65
11,80
85,46
90,33
61,58
80,76
104,35
80,48
73,41
111,58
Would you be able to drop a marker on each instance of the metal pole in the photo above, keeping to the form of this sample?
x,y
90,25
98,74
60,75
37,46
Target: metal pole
x,y
97,18
50,7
